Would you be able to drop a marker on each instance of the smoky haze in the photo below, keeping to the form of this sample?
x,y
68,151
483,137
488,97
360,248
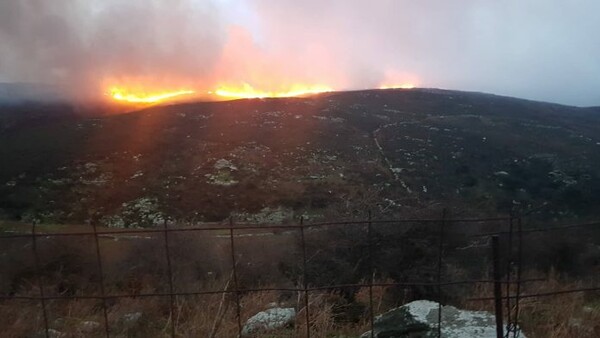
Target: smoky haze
x,y
80,44
539,49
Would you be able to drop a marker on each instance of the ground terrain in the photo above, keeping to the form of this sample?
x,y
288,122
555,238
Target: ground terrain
x,y
270,160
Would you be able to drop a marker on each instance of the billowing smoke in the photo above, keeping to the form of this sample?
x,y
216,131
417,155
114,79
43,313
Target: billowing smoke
x,y
81,44
539,49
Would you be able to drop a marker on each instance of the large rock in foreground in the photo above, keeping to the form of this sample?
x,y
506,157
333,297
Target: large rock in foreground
x,y
419,319
269,320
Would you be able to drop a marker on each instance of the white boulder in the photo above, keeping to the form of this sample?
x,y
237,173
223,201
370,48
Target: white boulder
x,y
420,319
269,320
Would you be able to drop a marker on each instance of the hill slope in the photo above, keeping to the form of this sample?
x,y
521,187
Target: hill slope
x,y
394,151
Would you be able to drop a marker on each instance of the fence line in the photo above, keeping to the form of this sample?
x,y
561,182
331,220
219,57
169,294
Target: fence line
x,y
249,227
302,289
514,265
535,295
555,228
129,231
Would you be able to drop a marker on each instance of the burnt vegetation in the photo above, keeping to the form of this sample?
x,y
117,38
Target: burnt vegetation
x,y
393,151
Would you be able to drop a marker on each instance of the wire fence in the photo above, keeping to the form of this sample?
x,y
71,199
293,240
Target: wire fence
x,y
504,249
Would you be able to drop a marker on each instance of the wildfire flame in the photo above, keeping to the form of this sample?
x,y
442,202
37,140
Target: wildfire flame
x,y
246,91
121,94
398,86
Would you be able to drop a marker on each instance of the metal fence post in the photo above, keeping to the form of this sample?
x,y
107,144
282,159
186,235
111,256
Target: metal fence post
x,y
235,279
509,266
36,258
371,274
101,273
515,326
439,271
497,286
170,275
305,276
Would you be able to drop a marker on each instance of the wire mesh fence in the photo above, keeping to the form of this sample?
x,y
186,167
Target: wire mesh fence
x,y
495,245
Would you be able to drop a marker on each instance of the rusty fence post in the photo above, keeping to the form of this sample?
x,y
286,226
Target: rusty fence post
x,y
509,268
305,276
515,326
497,286
40,281
170,276
101,273
235,279
439,270
371,273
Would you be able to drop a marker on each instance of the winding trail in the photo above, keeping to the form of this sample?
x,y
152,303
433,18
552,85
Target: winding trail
x,y
393,170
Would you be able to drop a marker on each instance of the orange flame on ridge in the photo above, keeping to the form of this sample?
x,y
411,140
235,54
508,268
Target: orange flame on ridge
x,y
121,94
246,91
398,86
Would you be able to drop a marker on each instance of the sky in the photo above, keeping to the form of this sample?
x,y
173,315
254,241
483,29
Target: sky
x,y
546,50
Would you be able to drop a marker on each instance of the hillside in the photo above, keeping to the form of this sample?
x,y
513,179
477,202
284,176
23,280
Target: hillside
x,y
331,155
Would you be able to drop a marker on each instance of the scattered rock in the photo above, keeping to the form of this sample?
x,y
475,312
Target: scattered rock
x,y
138,213
224,164
89,326
267,215
560,177
223,178
52,333
420,319
269,320
137,174
130,320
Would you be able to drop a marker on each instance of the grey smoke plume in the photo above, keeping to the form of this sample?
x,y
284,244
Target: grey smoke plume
x,y
540,49
80,43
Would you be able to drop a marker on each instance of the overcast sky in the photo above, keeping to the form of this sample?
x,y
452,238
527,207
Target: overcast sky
x,y
539,49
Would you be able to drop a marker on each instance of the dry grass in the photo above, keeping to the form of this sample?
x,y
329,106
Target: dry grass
x,y
195,316
203,262
557,316
567,315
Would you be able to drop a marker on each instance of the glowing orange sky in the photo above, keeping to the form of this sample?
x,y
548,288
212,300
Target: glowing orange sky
x,y
491,46
245,70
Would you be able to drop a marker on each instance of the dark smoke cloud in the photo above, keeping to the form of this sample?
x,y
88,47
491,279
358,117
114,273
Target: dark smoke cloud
x,y
540,49
80,43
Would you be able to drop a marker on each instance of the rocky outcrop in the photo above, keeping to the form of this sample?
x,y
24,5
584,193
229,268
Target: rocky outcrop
x,y
419,319
269,320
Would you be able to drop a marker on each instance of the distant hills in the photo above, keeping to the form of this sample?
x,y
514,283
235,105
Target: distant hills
x,y
18,93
